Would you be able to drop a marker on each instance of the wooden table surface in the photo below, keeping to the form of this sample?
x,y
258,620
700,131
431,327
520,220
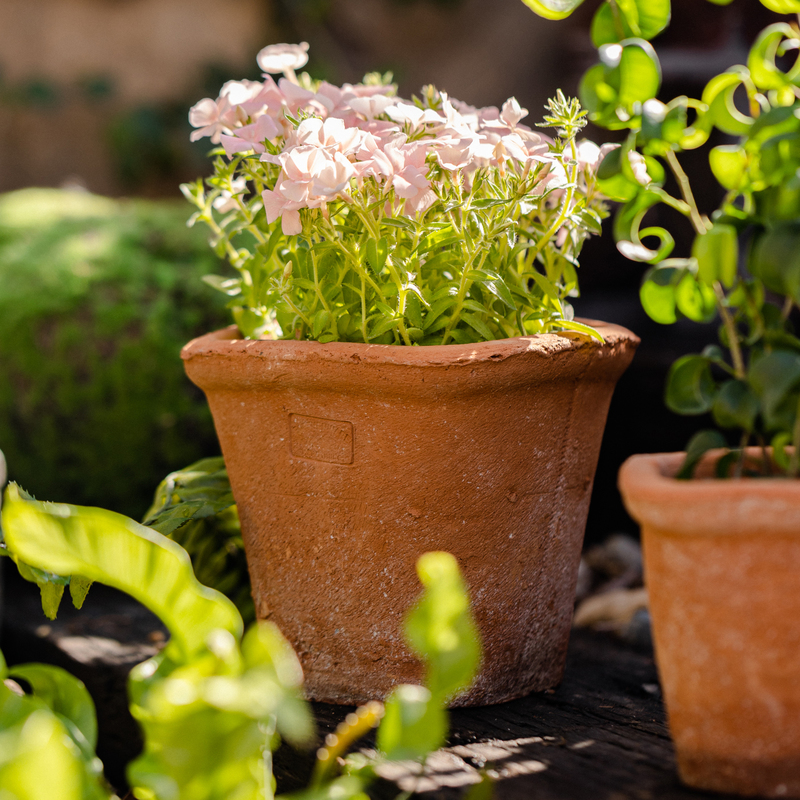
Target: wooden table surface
x,y
601,735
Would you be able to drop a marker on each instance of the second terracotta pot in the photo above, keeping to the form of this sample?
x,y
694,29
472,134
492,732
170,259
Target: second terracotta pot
x,y
348,461
722,568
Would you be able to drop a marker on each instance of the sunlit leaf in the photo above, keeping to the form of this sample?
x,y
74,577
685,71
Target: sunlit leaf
x,y
414,724
553,9
112,549
717,255
440,628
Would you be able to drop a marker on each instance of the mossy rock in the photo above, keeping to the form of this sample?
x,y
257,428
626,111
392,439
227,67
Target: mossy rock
x,y
97,297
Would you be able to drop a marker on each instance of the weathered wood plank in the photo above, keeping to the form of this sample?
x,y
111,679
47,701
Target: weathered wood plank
x,y
601,735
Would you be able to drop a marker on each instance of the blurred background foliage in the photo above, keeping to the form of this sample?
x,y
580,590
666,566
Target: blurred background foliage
x,y
97,296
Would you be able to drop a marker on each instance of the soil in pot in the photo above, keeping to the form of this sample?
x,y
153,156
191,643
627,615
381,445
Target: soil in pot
x,y
348,461
722,565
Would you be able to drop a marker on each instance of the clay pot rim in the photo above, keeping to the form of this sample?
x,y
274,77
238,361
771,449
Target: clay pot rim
x,y
707,505
228,341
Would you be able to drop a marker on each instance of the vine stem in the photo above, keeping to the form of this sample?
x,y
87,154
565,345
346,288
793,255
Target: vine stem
x,y
730,329
686,192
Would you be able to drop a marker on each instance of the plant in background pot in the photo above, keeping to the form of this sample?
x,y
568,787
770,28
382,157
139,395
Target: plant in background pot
x,y
406,373
720,525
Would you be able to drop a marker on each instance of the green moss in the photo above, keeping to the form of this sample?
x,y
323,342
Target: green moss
x,y
97,297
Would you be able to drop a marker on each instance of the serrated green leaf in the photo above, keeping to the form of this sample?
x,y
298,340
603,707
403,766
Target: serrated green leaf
x,y
107,547
78,589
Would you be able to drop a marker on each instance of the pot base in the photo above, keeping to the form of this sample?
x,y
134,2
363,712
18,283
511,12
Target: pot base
x,y
741,775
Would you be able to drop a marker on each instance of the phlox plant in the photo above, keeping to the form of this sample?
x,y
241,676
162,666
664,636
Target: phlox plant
x,y
750,382
351,214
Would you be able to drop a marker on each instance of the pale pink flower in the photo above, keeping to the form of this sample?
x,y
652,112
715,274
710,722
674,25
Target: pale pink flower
x,y
284,58
371,107
332,134
295,97
334,176
412,116
238,92
207,115
456,155
512,112
251,137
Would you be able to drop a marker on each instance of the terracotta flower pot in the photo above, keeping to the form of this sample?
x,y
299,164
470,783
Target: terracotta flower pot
x,y
722,568
348,461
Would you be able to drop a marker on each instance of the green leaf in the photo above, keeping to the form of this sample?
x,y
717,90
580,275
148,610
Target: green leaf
x,y
196,492
377,252
690,387
478,325
103,546
579,327
414,724
775,259
729,165
698,446
553,9
782,6
774,377
718,96
383,325
440,628
657,293
78,589
38,757
735,406
51,598
544,284
64,694
322,321
639,73
717,255
645,18
764,72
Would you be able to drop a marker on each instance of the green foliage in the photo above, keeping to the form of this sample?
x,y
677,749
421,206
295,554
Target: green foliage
x,y
213,705
195,508
751,384
101,545
97,296
47,738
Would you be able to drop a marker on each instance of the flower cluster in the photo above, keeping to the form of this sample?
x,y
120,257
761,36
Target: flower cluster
x,y
353,214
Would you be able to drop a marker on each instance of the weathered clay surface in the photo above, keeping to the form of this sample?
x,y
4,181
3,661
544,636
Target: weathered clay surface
x,y
722,565
348,461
